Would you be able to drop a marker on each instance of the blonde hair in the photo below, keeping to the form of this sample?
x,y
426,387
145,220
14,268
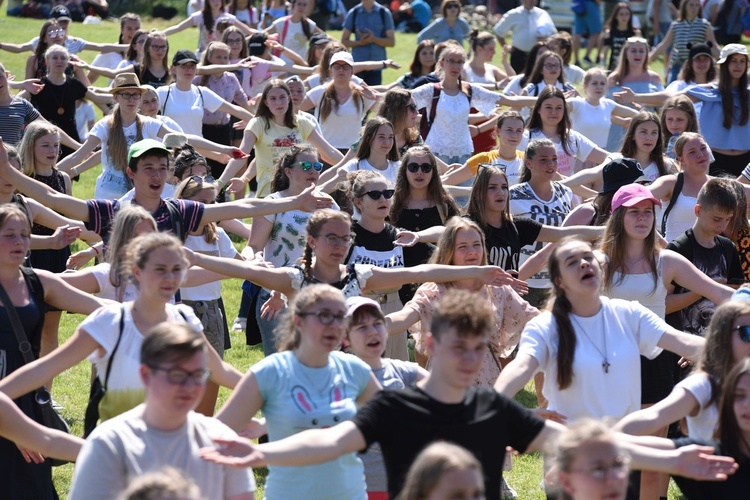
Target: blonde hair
x,y
446,246
34,131
123,232
190,188
431,465
139,250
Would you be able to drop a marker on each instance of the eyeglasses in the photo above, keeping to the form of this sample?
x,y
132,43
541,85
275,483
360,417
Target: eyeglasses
x,y
619,467
414,167
376,194
325,317
177,376
234,41
336,240
551,66
744,332
307,165
492,165
340,67
128,96
159,47
412,107
200,180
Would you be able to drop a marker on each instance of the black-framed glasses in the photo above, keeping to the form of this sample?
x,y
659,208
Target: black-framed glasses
x,y
159,47
491,165
235,41
336,240
130,96
551,66
307,165
415,167
744,332
412,107
178,376
375,194
325,317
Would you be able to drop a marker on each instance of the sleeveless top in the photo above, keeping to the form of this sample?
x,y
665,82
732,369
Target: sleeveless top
x,y
681,218
32,319
472,77
640,288
56,182
148,78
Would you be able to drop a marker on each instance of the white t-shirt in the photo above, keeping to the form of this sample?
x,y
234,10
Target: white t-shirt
x,y
450,135
292,36
107,290
702,425
341,127
631,331
389,173
108,188
526,203
127,447
84,114
125,389
223,247
186,106
593,122
580,148
109,60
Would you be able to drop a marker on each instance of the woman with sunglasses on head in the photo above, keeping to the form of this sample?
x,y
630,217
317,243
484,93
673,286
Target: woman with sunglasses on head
x,y
275,128
205,299
451,26
50,34
308,384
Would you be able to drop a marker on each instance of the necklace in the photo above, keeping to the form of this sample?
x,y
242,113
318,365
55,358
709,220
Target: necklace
x,y
605,363
61,109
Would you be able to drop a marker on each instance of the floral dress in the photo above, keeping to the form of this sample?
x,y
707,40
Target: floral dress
x,y
511,315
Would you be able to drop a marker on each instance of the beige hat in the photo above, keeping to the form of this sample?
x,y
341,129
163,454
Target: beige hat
x,y
126,81
730,49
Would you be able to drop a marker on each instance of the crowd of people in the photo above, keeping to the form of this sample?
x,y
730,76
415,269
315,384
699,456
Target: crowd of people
x,y
421,248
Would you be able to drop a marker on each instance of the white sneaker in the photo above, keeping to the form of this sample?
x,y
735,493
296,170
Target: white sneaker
x,y
506,492
239,325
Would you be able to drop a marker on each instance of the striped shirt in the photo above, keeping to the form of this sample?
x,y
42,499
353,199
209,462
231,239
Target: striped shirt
x,y
13,119
685,32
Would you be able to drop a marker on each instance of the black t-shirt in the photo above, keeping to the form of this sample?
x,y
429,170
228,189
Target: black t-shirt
x,y
720,262
736,486
405,421
376,249
60,97
616,40
504,243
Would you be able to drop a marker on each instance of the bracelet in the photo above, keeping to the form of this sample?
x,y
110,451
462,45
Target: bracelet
x,y
96,250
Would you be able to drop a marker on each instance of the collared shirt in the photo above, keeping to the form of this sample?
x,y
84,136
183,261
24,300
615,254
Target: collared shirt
x,y
524,24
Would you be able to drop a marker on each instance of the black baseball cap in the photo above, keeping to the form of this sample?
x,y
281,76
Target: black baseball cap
x,y
621,172
184,56
60,13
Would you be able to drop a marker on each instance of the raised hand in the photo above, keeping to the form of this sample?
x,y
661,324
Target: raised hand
x,y
308,201
699,462
64,236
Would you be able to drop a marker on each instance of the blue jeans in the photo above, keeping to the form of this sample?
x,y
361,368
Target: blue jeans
x,y
266,326
674,73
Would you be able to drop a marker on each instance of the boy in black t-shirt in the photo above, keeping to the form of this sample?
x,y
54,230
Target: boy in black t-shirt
x,y
445,407
712,253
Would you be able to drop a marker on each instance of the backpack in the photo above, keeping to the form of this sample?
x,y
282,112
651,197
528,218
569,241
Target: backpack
x,y
578,7
166,99
426,123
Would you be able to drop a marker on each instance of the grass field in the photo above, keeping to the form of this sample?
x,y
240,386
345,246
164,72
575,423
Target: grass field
x,y
71,387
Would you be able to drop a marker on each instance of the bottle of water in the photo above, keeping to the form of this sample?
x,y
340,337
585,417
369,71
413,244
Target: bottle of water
x,y
670,146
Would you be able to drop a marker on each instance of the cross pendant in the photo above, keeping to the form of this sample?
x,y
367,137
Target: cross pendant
x,y
605,365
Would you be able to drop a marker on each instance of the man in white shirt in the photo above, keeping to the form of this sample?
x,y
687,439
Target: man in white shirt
x,y
164,431
529,24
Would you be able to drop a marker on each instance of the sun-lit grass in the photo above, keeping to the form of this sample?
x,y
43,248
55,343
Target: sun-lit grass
x,y
71,387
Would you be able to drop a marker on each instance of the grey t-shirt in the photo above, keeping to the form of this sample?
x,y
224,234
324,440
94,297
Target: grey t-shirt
x,y
125,447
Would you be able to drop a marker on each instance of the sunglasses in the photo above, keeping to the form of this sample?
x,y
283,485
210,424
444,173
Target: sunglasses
x,y
491,165
414,167
637,39
452,5
200,180
385,193
744,332
412,107
306,165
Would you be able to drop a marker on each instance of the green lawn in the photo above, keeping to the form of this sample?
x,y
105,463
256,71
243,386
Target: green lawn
x,y
71,387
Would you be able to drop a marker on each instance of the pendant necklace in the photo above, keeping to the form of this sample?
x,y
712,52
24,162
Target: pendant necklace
x,y
60,109
605,363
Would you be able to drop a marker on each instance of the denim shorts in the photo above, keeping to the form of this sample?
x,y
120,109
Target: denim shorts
x,y
589,22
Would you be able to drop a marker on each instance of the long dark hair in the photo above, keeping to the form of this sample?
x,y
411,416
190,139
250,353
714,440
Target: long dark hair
x,y
290,117
234,29
41,46
535,121
682,103
416,66
368,135
629,147
687,74
394,108
561,308
728,432
477,209
531,151
280,178
537,76
132,53
530,61
435,190
727,100
612,21
154,35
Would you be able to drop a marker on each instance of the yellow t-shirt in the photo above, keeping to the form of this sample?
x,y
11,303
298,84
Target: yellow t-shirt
x,y
512,168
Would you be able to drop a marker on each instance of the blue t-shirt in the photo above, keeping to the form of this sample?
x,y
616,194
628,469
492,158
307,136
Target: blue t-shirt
x,y
358,19
422,12
712,118
296,398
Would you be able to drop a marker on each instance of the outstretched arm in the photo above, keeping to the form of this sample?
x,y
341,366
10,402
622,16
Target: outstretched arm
x,y
516,375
